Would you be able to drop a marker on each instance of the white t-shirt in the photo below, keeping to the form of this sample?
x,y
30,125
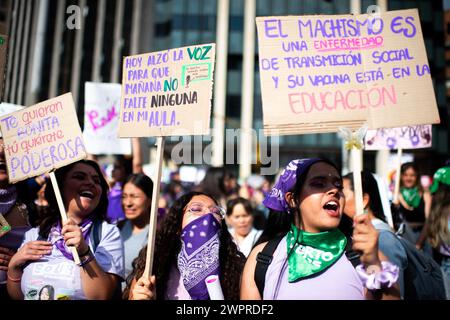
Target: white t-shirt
x,y
57,278
246,245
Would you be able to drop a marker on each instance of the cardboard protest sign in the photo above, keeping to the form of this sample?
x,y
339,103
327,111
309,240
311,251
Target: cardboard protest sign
x,y
101,119
3,55
321,72
41,138
410,137
6,108
167,93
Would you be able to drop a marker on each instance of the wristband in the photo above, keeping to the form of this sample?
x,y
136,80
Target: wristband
x,y
383,279
85,253
85,259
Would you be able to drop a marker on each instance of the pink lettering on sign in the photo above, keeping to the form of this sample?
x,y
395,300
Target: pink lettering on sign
x,y
41,112
339,44
103,121
307,102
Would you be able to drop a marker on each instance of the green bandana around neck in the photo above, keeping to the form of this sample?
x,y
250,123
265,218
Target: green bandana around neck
x,y
312,253
411,196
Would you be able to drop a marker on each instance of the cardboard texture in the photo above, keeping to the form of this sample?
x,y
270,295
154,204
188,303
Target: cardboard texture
x,y
321,72
167,93
101,119
41,138
410,137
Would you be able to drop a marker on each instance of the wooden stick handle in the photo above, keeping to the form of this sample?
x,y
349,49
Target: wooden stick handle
x,y
398,176
62,211
154,209
357,184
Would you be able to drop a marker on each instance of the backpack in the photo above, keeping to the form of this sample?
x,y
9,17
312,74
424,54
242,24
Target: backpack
x,y
423,279
264,259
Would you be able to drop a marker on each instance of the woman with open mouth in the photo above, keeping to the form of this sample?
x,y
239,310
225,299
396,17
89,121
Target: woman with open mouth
x,y
307,260
45,258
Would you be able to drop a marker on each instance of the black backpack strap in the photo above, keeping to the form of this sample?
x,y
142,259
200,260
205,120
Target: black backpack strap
x,y
96,233
263,260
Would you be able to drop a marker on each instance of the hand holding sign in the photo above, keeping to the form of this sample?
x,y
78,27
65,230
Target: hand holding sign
x,y
166,93
42,138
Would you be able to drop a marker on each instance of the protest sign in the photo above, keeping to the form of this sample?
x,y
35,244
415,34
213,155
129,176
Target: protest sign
x,y
167,93
322,72
41,138
3,55
6,108
101,119
410,137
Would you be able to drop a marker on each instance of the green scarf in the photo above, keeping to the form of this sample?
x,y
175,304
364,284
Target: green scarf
x,y
411,196
313,252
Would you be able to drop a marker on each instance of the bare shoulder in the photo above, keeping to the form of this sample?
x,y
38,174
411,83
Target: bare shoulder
x,y
249,291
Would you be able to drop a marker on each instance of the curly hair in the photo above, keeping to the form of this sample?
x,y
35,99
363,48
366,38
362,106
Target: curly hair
x,y
53,215
168,245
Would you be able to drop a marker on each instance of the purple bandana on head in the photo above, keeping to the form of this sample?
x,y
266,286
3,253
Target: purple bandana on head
x,y
56,238
199,255
286,182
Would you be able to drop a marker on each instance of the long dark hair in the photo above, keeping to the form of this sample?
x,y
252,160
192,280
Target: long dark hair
x,y
53,213
239,200
370,186
141,181
437,226
168,245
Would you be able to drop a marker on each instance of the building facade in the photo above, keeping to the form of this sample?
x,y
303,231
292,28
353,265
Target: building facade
x,y
58,45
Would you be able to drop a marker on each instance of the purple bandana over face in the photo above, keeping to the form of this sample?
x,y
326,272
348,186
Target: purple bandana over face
x,y
199,255
286,182
56,238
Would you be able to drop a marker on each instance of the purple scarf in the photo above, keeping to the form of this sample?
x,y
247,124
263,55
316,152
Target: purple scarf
x,y
56,238
8,198
199,255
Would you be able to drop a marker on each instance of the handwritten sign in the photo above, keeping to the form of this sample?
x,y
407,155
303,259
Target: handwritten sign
x,y
411,137
6,108
41,138
322,72
167,93
101,119
3,55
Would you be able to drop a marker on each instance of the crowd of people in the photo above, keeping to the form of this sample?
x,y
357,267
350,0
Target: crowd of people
x,y
297,239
